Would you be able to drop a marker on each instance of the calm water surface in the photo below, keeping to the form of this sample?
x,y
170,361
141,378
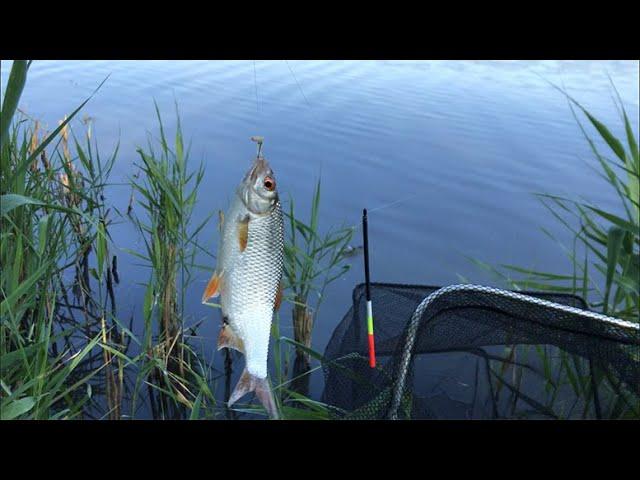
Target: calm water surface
x,y
469,142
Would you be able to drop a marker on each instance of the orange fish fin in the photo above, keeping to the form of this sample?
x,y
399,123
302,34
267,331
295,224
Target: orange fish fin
x,y
229,339
213,287
279,295
243,232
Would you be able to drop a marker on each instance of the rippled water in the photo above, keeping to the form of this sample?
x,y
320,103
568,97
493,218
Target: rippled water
x,y
467,141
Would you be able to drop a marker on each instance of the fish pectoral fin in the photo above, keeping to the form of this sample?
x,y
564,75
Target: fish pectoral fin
x,y
279,295
250,383
213,287
243,232
229,339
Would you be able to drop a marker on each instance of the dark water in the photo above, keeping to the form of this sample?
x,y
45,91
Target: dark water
x,y
468,142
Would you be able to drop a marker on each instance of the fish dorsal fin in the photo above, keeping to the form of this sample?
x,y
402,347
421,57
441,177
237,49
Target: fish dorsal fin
x,y
229,339
213,287
279,295
243,232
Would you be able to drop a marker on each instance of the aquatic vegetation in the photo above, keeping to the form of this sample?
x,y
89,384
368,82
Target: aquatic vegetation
x,y
605,251
167,191
168,194
312,261
605,263
56,269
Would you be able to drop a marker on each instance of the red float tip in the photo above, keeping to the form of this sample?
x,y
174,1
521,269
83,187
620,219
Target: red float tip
x,y
372,352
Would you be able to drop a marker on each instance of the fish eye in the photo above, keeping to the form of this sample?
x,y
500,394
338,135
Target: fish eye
x,y
269,183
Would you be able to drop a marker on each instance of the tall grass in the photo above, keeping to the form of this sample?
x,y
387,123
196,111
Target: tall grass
x,y
312,262
604,258
605,250
52,218
169,193
168,189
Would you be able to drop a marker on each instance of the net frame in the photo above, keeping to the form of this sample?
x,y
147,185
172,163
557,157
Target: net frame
x,y
614,325
469,322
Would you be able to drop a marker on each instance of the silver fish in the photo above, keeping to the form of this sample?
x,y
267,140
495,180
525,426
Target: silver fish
x,y
248,277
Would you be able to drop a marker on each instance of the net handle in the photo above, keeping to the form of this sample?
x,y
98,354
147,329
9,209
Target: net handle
x,y
416,317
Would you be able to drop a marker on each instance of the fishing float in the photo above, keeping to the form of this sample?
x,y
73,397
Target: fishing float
x,y
365,234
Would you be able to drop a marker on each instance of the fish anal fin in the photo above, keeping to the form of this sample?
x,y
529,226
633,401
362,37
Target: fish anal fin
x,y
213,287
229,339
279,295
243,232
250,383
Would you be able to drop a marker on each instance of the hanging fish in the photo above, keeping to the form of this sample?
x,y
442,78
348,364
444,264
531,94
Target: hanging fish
x,y
248,277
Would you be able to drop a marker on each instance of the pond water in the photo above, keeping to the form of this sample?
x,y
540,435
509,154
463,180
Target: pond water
x,y
464,144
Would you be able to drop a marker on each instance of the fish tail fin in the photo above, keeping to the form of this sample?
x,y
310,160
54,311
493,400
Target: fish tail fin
x,y
250,383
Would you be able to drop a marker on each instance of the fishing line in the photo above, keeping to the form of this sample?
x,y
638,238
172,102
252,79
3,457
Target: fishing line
x,y
395,202
298,83
258,139
358,226
314,118
255,82
376,209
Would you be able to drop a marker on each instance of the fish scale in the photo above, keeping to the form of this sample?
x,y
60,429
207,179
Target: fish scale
x,y
248,296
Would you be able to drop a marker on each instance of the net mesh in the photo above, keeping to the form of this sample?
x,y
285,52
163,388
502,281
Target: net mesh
x,y
472,352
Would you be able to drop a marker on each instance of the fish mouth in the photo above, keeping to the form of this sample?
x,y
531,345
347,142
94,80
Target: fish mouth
x,y
256,198
260,170
260,167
